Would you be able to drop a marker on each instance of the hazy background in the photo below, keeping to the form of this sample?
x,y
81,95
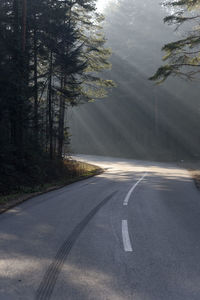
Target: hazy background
x,y
139,119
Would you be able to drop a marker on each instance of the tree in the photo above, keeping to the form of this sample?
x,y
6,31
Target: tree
x,y
182,56
49,59
80,61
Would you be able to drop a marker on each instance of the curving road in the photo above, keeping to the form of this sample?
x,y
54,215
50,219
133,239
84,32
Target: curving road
x,y
129,233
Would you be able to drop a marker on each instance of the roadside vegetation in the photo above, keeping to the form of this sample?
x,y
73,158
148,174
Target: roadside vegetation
x,y
51,56
64,172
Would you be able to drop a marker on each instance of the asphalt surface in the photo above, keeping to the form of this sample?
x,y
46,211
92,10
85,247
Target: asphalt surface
x,y
132,232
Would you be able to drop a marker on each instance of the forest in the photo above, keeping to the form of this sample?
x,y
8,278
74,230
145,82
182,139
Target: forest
x,y
51,56
141,119
99,150
56,55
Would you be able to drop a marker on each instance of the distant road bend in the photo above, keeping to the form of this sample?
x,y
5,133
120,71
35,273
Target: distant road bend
x,y
130,233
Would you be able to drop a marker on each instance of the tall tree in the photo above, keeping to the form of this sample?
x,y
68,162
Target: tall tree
x,y
46,53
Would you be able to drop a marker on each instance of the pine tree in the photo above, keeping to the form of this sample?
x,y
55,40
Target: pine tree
x,y
182,56
47,54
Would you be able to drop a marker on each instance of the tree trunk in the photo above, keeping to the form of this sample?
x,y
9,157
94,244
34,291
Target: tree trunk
x,y
50,108
24,25
61,123
36,128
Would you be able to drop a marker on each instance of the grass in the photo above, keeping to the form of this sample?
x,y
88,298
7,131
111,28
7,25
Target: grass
x,y
72,171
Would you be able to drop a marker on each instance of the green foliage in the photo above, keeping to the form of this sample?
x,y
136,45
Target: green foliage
x,y
162,73
51,54
182,56
189,4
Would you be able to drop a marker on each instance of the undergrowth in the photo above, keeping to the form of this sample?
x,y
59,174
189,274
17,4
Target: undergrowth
x,y
39,178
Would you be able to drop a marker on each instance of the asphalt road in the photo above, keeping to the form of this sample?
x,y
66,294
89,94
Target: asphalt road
x,y
132,232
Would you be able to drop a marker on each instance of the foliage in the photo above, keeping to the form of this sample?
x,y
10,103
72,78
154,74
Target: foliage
x,y
44,175
183,56
51,55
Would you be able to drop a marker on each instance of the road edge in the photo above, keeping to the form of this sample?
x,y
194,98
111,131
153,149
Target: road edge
x,y
22,199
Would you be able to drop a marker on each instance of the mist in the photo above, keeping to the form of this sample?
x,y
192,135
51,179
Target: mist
x,y
138,119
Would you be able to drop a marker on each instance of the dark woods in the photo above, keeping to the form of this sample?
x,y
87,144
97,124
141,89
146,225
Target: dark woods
x,y
51,52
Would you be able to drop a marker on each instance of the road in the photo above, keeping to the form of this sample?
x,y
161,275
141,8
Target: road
x,y
131,233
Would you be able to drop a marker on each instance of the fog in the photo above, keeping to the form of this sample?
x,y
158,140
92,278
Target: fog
x,y
101,5
139,119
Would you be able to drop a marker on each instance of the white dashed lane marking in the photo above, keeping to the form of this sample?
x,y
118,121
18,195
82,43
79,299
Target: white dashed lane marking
x,y
125,237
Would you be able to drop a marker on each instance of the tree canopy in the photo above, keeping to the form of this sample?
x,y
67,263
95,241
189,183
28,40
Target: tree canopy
x,y
51,55
182,57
